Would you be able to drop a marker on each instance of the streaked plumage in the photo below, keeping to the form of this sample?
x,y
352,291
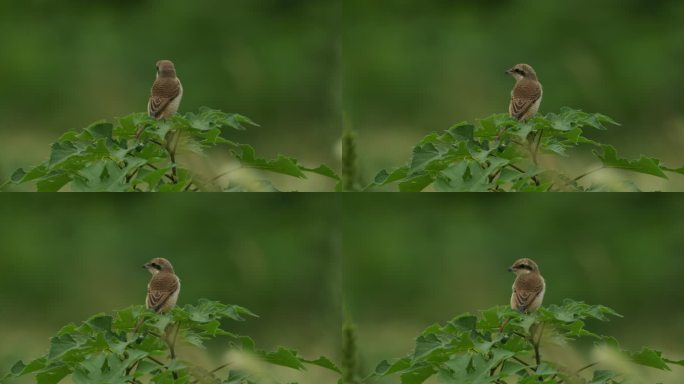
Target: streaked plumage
x,y
166,92
527,93
164,286
529,286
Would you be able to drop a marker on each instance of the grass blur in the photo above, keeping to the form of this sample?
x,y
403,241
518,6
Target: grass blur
x,y
65,259
65,65
412,67
410,262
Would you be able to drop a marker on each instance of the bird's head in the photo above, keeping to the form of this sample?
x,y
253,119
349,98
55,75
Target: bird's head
x,y
522,71
158,264
165,68
524,266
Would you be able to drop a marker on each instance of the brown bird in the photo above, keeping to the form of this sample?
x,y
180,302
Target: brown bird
x,y
529,286
526,94
164,286
166,92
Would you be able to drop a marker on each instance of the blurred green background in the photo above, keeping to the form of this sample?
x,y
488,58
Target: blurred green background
x,y
65,259
412,67
66,64
410,262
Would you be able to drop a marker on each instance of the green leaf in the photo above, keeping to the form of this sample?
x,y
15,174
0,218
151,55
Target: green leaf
x,y
60,345
323,362
285,358
100,129
647,165
426,344
21,176
385,177
60,152
53,374
650,358
465,322
100,322
416,183
323,170
282,164
417,376
385,368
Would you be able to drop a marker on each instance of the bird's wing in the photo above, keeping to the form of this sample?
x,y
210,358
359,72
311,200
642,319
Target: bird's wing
x,y
522,98
163,91
160,288
524,296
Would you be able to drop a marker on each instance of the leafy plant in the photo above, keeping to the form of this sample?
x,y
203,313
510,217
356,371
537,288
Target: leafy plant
x,y
139,153
501,346
136,345
499,153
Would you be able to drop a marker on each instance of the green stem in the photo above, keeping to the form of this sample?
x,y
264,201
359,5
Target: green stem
x,y
534,178
588,173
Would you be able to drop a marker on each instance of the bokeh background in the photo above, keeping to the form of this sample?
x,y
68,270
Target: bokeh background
x,y
412,67
64,65
410,262
65,259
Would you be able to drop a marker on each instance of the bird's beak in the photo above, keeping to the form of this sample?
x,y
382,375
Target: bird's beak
x,y
508,71
510,269
144,266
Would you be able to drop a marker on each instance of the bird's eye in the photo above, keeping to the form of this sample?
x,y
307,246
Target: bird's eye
x,y
156,266
520,71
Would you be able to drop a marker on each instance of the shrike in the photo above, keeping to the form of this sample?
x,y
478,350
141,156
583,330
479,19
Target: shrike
x,y
164,286
526,94
166,92
529,286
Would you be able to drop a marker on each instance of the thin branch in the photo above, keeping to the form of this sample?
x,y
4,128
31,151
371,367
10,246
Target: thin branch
x,y
220,175
534,177
175,137
157,168
129,177
156,361
172,346
588,173
541,331
220,367
535,344
527,366
586,367
536,146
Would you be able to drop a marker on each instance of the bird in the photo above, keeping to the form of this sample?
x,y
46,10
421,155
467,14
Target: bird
x,y
166,92
526,94
528,287
164,286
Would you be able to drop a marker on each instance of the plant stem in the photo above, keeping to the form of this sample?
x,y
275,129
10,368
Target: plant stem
x,y
350,176
157,168
172,344
220,175
527,366
534,178
156,361
588,173
536,146
586,367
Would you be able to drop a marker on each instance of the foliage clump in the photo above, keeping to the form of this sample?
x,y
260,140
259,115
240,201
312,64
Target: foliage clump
x,y
502,346
137,345
499,153
139,153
